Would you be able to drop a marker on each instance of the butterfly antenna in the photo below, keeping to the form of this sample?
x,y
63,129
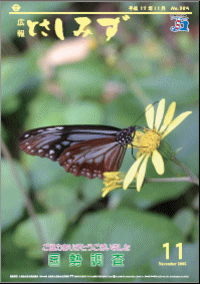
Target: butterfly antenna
x,y
145,112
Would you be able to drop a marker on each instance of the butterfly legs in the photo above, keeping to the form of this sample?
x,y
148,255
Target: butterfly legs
x,y
132,152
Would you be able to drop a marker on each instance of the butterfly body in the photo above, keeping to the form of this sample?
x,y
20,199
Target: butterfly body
x,y
88,150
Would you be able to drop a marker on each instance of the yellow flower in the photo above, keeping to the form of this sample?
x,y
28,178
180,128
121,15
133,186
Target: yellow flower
x,y
148,141
112,181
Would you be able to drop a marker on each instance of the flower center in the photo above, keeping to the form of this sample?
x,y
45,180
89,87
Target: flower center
x,y
149,141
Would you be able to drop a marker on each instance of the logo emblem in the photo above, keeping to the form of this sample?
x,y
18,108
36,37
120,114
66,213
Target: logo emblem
x,y
181,24
16,7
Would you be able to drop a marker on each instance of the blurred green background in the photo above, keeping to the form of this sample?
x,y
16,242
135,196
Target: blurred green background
x,y
46,81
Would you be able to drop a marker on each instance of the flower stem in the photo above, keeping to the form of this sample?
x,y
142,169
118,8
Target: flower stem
x,y
192,177
172,179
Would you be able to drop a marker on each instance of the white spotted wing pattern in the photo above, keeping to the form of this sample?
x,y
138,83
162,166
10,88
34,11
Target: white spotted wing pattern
x,y
85,150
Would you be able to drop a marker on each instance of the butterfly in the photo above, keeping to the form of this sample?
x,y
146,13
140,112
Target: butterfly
x,y
86,150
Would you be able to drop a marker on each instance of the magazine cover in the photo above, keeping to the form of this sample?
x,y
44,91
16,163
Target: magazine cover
x,y
99,139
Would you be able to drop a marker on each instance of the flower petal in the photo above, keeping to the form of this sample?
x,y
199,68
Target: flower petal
x,y
160,113
141,173
176,122
169,116
132,172
110,176
158,162
105,191
149,112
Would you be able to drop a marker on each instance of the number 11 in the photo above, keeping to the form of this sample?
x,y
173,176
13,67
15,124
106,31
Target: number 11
x,y
179,245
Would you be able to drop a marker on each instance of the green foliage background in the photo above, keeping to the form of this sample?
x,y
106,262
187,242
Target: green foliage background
x,y
144,62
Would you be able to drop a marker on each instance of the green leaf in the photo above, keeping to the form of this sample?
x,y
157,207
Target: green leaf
x,y
195,233
82,79
44,172
57,195
14,75
10,105
52,226
176,85
189,140
45,110
144,232
13,204
92,189
124,111
185,219
17,74
84,113
14,260
186,43
4,132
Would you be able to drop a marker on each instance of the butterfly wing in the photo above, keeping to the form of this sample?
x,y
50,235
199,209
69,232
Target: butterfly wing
x,y
93,158
88,150
52,141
